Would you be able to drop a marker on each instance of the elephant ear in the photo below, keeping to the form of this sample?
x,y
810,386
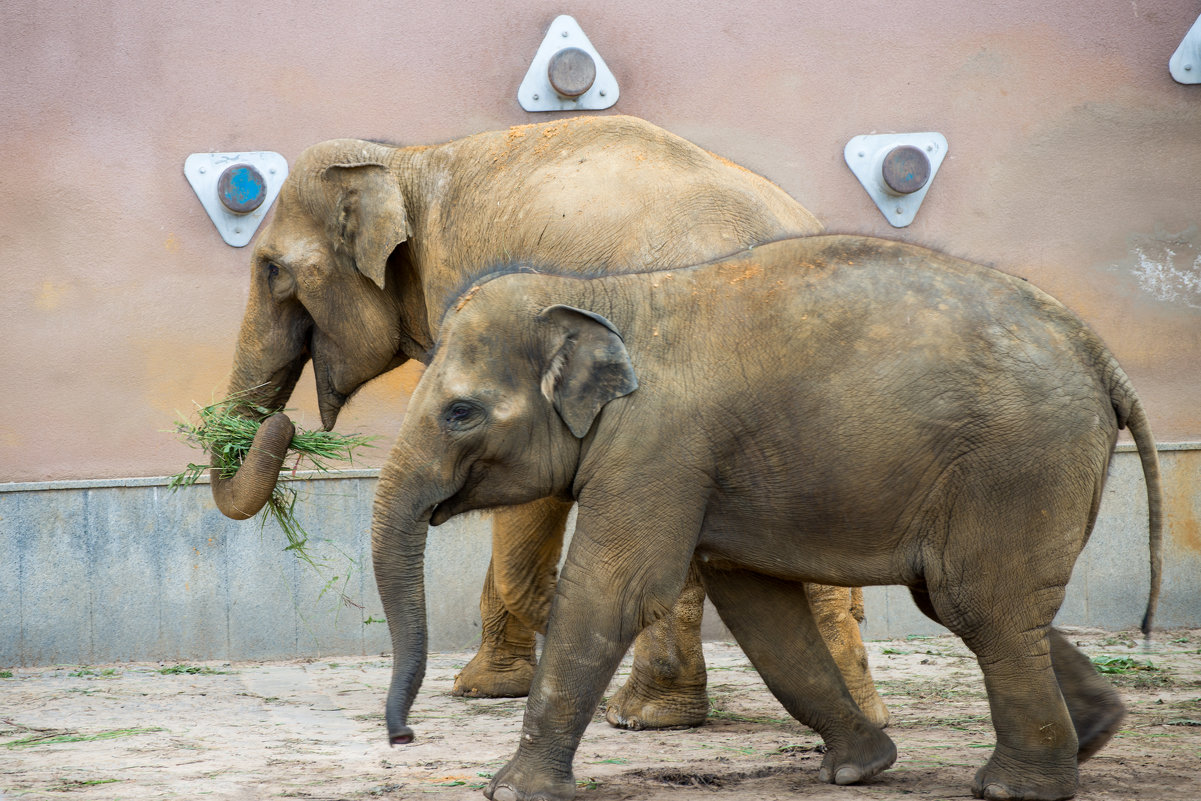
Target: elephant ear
x,y
371,219
589,366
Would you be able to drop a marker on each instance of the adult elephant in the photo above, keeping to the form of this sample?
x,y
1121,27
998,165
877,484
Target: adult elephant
x,y
369,242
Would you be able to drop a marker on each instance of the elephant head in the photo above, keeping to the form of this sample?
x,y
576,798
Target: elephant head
x,y
327,284
485,430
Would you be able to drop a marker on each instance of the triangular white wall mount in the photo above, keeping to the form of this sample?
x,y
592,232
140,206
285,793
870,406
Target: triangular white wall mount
x,y
1185,63
236,189
896,170
563,39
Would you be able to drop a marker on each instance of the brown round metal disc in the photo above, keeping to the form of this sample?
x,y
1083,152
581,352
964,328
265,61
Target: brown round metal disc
x,y
571,72
906,169
241,188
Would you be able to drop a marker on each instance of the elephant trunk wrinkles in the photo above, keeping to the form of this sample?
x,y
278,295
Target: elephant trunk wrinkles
x,y
247,491
398,555
242,495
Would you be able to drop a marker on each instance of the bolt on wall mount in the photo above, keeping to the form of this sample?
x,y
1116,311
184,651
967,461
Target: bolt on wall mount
x,y
236,189
896,170
567,74
1185,63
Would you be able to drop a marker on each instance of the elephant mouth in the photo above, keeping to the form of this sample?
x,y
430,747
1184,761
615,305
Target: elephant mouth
x,y
329,399
329,404
443,511
453,504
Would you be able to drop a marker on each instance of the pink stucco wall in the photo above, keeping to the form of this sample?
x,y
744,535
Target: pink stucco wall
x,y
1074,161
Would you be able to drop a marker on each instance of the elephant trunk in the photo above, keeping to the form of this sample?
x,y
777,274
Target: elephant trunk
x,y
398,536
242,495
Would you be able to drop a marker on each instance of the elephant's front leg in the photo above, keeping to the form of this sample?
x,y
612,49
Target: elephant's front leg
x,y
771,619
503,667
616,580
834,610
526,543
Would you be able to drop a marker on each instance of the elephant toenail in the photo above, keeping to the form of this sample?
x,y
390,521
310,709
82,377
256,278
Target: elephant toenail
x,y
847,775
504,794
997,792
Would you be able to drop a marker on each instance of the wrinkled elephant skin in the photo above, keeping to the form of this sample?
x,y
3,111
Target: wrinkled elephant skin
x,y
891,416
368,244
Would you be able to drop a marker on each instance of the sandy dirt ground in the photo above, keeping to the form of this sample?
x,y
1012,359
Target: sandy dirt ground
x,y
313,729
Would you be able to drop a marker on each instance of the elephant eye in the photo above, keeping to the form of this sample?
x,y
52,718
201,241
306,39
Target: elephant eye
x,y
459,413
272,269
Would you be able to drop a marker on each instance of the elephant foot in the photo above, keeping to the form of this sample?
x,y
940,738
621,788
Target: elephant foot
x,y
858,759
996,782
1094,705
658,708
664,692
871,704
668,681
514,782
493,674
1096,728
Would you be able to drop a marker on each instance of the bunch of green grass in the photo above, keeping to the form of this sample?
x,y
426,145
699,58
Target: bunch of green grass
x,y
226,430
1120,664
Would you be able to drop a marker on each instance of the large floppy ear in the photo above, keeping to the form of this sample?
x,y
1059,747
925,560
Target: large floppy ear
x,y
588,367
371,219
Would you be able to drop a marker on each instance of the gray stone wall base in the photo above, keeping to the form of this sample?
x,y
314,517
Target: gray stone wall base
x,y
103,571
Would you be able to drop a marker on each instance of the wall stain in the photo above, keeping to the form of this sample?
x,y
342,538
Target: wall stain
x,y
50,296
1182,501
1168,266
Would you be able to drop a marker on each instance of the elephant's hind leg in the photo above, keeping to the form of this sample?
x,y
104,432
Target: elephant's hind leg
x,y
1035,755
1095,706
773,623
668,680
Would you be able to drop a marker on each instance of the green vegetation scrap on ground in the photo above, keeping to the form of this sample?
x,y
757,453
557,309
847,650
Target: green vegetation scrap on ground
x,y
54,738
1120,664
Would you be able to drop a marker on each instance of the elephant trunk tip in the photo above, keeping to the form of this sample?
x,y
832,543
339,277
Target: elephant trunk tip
x,y
247,491
403,735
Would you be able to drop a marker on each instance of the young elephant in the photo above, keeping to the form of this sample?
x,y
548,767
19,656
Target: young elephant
x,y
842,410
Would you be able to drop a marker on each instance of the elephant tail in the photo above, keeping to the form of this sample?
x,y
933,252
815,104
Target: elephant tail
x,y
1132,416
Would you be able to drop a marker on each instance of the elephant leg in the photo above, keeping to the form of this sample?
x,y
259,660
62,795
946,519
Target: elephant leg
x,y
834,610
772,621
1035,755
857,604
616,581
526,543
1093,704
667,683
503,667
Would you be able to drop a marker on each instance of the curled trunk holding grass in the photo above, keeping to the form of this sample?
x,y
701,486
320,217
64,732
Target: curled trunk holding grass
x,y
243,494
247,444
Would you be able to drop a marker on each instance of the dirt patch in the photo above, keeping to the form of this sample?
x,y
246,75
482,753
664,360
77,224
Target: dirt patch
x,y
313,729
